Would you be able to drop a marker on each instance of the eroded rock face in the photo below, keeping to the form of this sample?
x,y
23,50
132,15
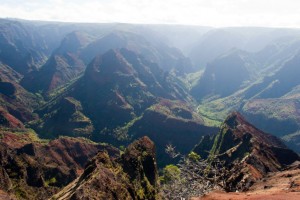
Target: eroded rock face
x,y
16,104
248,152
66,118
131,176
8,120
139,163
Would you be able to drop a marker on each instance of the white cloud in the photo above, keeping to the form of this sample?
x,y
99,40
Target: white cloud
x,y
285,13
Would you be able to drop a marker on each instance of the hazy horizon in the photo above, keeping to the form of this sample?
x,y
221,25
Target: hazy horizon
x,y
216,13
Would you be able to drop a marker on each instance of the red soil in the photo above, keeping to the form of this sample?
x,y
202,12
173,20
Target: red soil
x,y
277,186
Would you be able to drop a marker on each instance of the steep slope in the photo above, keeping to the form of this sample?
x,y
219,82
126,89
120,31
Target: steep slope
x,y
204,146
33,169
283,81
276,107
9,121
64,118
120,85
132,176
8,74
63,66
248,152
21,47
225,75
16,104
279,115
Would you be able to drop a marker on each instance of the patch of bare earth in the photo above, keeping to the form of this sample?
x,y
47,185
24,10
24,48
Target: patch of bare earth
x,y
5,196
283,185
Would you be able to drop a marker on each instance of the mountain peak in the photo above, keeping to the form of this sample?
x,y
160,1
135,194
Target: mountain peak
x,y
249,151
240,127
235,118
109,67
73,42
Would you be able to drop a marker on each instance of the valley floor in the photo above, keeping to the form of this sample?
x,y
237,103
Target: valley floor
x,y
277,186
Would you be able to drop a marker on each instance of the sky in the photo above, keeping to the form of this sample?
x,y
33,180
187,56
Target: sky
x,y
217,13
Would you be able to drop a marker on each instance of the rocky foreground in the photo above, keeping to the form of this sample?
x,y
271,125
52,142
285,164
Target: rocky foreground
x,y
75,168
275,186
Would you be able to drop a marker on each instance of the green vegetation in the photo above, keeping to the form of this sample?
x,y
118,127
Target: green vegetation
x,y
292,137
191,79
170,172
50,182
57,92
194,156
20,194
84,139
121,133
218,142
279,109
215,111
24,135
175,109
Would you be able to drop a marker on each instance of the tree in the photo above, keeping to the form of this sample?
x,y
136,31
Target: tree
x,y
192,176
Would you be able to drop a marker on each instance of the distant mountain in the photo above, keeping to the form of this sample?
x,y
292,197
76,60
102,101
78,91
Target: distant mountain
x,y
26,46
217,42
153,49
213,44
20,47
225,75
78,49
63,66
237,69
182,37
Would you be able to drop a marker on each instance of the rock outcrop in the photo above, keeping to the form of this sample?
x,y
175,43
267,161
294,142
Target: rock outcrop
x,y
248,153
133,175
